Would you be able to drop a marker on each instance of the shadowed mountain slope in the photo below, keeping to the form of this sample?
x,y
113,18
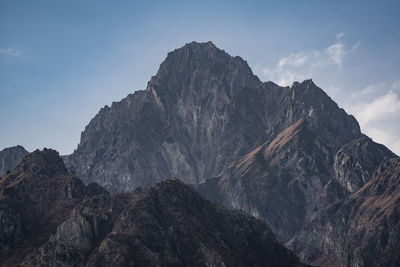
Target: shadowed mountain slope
x,y
283,154
203,110
362,229
35,198
48,217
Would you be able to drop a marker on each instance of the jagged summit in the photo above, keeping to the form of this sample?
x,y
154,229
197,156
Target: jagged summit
x,y
34,198
47,160
201,111
198,69
288,155
11,157
195,50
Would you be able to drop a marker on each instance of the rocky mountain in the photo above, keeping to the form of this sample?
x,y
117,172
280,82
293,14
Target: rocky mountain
x,y
48,217
35,198
10,157
362,229
203,110
287,180
283,154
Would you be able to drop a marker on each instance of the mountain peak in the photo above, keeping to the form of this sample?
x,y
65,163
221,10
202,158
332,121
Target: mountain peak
x,y
11,157
196,55
198,47
47,160
202,110
197,68
202,45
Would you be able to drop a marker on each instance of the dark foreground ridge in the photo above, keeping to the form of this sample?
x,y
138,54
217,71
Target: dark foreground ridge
x,y
48,217
34,199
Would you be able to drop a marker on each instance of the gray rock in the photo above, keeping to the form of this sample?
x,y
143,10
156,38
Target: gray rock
x,y
35,198
166,225
356,161
363,229
283,154
203,110
10,158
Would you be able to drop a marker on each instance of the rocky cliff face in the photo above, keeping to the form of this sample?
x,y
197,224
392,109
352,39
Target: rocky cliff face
x,y
362,229
48,217
35,198
288,180
166,225
284,154
203,110
10,158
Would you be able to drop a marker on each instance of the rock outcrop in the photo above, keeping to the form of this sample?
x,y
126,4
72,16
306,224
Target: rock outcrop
x,y
10,157
166,225
48,217
289,179
35,198
362,229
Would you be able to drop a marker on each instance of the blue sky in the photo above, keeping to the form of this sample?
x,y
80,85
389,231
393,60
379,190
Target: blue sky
x,y
61,61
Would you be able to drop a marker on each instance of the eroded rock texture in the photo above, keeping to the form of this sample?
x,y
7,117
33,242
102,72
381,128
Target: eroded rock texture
x,y
35,198
48,217
203,110
362,229
283,154
10,158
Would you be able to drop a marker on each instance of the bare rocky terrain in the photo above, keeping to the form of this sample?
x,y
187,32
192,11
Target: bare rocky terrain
x,y
10,157
289,156
48,217
283,154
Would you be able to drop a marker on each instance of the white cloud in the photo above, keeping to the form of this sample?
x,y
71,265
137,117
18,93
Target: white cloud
x,y
334,92
336,53
340,35
384,107
395,86
11,52
333,55
396,147
377,109
294,60
354,47
300,66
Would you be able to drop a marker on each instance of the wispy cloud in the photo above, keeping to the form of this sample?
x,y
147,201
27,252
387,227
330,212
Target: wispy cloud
x,y
377,109
340,35
336,54
282,76
384,107
301,65
294,60
11,52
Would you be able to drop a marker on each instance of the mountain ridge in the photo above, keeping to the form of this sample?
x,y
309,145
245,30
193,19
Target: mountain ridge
x,y
183,120
283,154
48,217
